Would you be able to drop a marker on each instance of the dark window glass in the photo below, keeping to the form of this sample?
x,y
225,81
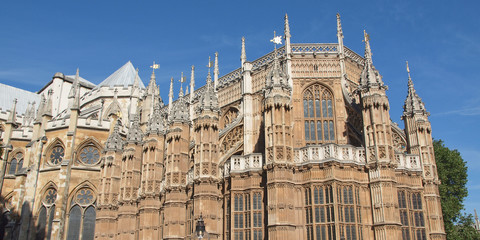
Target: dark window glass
x,y
13,167
330,109
305,108
57,155
332,132
307,131
42,223
88,231
312,130
74,223
324,108
20,165
317,107
325,130
51,215
310,108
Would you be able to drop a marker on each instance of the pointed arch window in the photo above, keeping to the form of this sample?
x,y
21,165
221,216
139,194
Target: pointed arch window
x,y
56,155
318,115
89,155
15,164
81,217
46,214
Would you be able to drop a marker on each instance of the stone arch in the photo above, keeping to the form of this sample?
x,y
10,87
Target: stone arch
x,y
15,161
318,114
91,146
81,211
44,211
228,116
52,148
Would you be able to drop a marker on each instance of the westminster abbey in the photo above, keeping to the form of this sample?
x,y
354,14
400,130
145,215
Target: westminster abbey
x,y
297,144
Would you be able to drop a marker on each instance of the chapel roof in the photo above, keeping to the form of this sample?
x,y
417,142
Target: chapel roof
x,y
8,93
124,76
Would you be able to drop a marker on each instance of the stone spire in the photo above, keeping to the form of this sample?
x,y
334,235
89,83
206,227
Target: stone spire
x,y
243,56
152,85
47,111
180,94
215,72
12,117
287,29
339,28
476,220
136,82
41,108
73,90
277,77
413,103
192,84
114,141
209,100
170,97
155,124
369,77
135,134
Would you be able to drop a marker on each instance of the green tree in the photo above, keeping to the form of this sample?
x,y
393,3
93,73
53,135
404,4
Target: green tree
x,y
452,172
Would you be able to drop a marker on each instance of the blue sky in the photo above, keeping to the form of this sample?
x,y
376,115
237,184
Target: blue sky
x,y
438,38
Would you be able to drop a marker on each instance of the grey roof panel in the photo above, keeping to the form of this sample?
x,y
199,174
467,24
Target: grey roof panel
x,y
124,76
8,93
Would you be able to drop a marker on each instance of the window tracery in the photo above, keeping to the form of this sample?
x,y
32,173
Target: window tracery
x,y
15,164
318,113
46,214
56,155
81,219
411,215
89,155
248,219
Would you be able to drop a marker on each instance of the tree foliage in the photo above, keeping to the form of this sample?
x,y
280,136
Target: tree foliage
x,y
452,172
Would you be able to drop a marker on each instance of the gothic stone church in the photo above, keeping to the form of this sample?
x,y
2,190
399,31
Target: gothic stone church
x,y
297,144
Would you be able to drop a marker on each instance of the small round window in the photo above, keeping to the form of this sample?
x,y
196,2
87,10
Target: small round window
x,y
89,155
50,197
85,197
57,154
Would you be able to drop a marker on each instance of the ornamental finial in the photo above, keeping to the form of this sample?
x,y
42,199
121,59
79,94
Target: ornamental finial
x,y
243,56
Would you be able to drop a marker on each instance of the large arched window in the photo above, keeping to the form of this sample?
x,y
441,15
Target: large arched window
x,y
46,214
318,113
81,219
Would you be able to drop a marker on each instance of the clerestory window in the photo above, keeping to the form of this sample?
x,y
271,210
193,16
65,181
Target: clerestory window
x,y
318,113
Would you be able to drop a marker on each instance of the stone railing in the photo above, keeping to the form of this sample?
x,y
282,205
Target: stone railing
x,y
408,162
238,164
268,58
329,152
230,77
354,56
315,48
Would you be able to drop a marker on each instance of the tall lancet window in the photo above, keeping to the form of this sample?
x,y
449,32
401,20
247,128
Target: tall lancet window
x,y
81,217
46,214
318,115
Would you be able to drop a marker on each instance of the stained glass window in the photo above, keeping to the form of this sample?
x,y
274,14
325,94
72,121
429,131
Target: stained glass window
x,y
74,221
13,166
89,155
318,115
81,222
56,156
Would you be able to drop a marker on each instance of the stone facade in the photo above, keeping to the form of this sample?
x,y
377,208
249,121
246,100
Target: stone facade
x,y
297,144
